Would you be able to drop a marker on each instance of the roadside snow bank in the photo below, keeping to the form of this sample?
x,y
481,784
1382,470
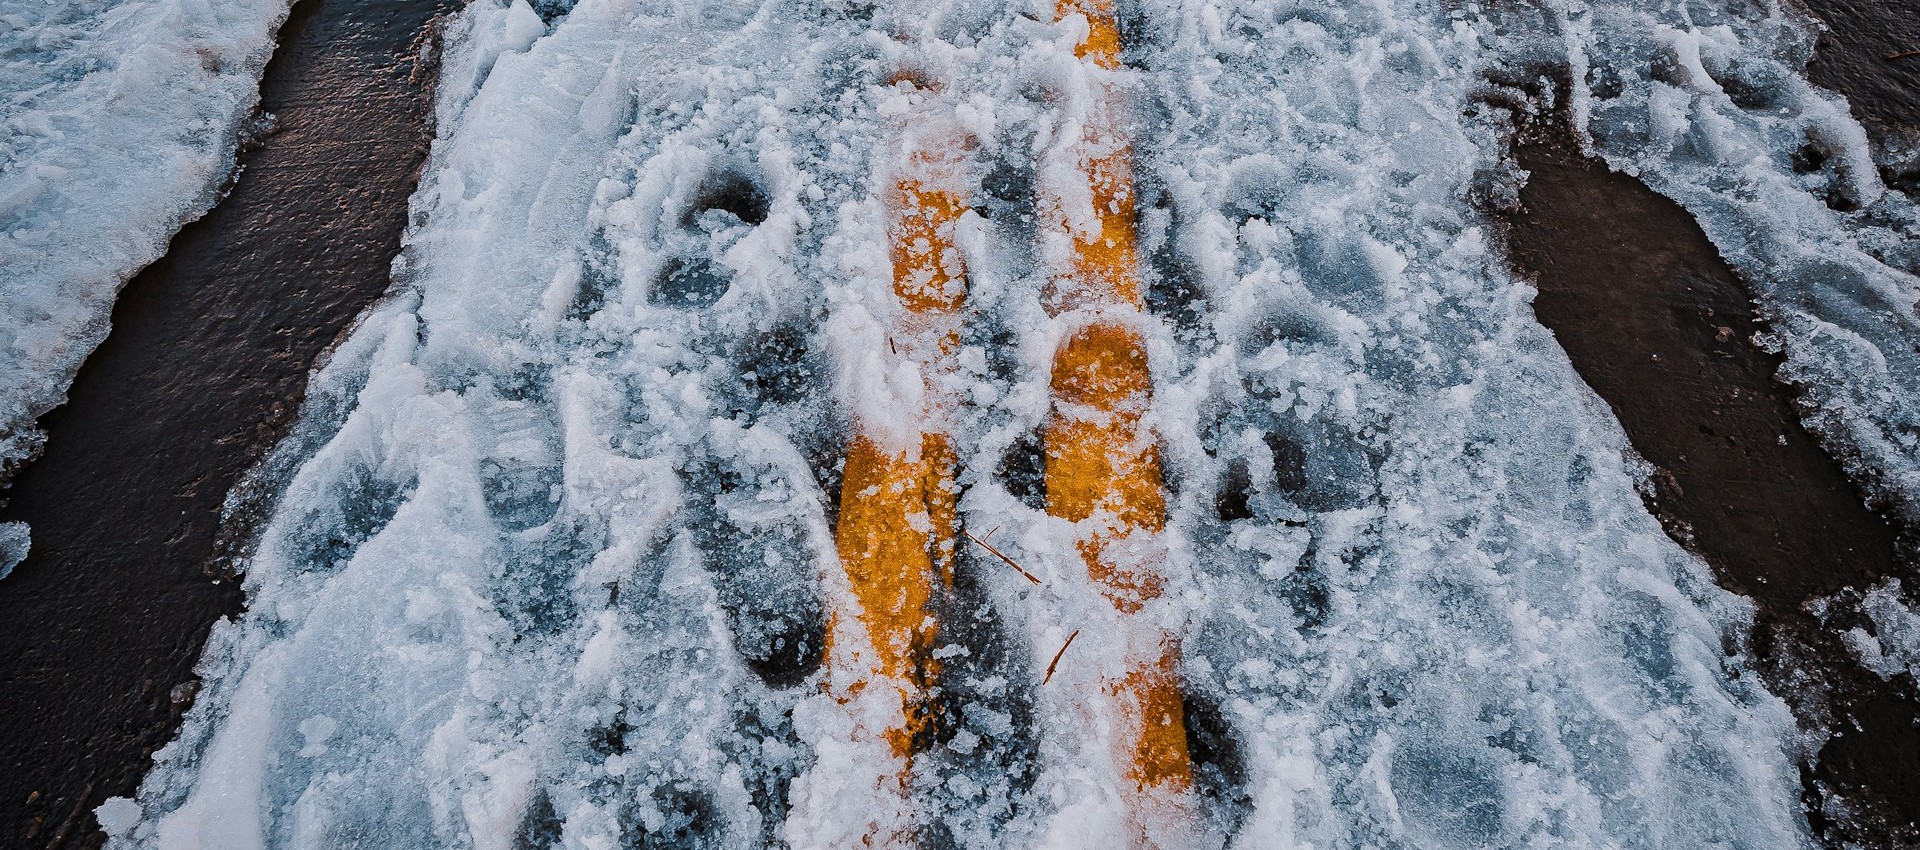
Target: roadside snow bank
x,y
118,122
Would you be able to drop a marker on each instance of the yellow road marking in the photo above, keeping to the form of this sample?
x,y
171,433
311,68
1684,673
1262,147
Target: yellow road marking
x,y
896,540
898,524
1103,471
896,534
1103,31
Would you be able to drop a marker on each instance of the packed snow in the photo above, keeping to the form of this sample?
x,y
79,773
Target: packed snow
x,y
118,125
547,553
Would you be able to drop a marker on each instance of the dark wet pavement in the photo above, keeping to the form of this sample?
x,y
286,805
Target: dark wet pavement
x,y
1860,56
1655,321
1659,326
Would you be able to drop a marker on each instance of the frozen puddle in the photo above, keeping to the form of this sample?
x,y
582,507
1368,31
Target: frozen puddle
x,y
558,564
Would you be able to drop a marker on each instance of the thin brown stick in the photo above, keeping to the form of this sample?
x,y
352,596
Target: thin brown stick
x,y
1904,54
1055,663
1002,556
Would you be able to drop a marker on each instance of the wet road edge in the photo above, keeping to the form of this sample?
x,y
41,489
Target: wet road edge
x,y
208,359
1661,328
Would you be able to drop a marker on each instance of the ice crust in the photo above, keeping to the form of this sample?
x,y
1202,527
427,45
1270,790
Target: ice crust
x,y
118,125
546,554
15,540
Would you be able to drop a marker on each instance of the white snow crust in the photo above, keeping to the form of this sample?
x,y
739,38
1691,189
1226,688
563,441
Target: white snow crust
x,y
118,122
558,511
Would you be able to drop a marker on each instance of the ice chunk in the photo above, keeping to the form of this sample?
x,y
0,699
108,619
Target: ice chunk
x,y
117,816
1894,645
15,539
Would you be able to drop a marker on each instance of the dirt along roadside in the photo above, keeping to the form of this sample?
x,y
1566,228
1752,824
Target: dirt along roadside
x,y
101,625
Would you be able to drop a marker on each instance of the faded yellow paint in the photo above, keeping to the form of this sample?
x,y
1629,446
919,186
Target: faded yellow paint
x,y
1160,757
1099,472
1103,470
1103,31
1104,473
927,273
1104,272
896,540
897,530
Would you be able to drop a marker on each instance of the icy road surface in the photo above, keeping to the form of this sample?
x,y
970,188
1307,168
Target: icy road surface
x,y
560,553
118,121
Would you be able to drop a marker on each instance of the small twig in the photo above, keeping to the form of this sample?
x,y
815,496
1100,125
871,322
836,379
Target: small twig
x,y
890,347
1904,54
1051,666
1002,556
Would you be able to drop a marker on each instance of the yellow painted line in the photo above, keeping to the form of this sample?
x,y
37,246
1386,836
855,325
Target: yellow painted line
x,y
1103,31
1103,471
895,539
897,529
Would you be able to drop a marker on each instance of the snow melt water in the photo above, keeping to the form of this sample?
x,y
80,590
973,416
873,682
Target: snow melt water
x,y
118,125
548,554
